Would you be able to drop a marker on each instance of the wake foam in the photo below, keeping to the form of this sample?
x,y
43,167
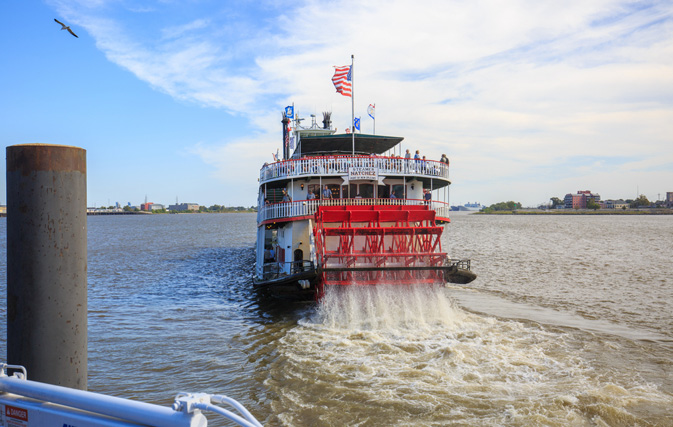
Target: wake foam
x,y
383,307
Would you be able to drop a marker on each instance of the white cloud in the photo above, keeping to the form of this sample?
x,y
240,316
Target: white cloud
x,y
501,87
185,29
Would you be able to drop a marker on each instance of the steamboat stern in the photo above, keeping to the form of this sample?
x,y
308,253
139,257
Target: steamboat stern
x,y
350,209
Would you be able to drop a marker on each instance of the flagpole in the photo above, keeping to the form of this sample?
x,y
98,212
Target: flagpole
x,y
353,102
296,126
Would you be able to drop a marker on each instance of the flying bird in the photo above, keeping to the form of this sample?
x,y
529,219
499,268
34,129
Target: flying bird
x,y
65,27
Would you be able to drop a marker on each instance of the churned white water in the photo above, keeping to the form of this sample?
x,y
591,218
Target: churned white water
x,y
385,307
390,356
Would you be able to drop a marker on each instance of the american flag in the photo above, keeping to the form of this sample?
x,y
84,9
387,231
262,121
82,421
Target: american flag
x,y
342,80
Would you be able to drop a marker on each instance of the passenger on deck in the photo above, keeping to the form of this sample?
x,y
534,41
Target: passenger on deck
x,y
417,160
326,193
286,197
427,196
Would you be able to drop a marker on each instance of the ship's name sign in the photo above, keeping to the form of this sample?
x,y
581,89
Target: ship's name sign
x,y
363,172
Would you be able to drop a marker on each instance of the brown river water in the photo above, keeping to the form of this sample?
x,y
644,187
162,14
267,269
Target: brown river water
x,y
568,324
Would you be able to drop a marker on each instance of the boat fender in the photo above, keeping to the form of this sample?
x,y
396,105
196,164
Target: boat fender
x,y
305,284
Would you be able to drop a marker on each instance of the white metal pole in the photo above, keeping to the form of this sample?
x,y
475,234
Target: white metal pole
x,y
353,102
129,410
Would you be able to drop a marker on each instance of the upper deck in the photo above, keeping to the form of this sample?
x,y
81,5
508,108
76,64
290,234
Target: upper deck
x,y
343,165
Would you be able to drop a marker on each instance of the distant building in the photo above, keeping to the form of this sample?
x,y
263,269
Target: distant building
x,y
614,204
669,199
184,207
149,206
579,200
3,209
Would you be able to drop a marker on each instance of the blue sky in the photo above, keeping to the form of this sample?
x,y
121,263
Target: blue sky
x,y
182,99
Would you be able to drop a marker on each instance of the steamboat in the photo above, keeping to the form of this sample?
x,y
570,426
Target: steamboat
x,y
350,209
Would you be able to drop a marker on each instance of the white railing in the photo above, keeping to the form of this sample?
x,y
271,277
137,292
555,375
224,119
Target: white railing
x,y
338,165
309,207
21,398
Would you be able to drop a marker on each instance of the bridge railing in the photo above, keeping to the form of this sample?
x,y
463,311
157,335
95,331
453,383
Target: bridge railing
x,y
302,208
339,165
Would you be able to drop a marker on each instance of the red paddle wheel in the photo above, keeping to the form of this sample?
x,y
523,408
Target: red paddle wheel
x,y
367,245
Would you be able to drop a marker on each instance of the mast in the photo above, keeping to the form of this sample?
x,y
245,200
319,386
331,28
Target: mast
x,y
296,129
352,104
374,117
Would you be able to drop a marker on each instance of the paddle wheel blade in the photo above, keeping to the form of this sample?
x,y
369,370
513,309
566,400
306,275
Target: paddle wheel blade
x,y
368,245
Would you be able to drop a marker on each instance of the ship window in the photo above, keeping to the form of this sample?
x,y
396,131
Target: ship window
x,y
270,237
274,195
384,192
366,191
335,189
354,191
398,189
315,189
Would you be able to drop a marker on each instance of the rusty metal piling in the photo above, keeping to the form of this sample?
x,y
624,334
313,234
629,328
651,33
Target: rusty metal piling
x,y
46,263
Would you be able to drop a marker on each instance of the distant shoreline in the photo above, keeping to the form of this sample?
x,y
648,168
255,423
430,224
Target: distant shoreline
x,y
4,215
165,213
581,212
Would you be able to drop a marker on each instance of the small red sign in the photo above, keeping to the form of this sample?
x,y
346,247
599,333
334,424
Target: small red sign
x,y
16,413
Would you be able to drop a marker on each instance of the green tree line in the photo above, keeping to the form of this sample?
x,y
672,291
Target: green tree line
x,y
503,206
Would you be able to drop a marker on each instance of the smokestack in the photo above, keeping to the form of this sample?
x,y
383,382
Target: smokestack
x,y
286,137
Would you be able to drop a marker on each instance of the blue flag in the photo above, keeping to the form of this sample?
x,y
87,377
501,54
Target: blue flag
x,y
356,123
289,112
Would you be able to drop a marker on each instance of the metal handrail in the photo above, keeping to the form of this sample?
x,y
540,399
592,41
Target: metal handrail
x,y
302,208
274,270
339,165
185,411
461,263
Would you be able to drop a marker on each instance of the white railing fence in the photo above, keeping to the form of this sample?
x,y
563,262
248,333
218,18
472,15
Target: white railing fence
x,y
302,208
340,164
